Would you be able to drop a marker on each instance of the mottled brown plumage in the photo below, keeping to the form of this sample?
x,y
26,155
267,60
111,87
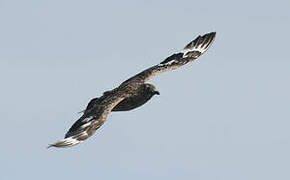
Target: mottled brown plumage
x,y
130,94
140,97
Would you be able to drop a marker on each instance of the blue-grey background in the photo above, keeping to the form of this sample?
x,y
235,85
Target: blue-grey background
x,y
225,116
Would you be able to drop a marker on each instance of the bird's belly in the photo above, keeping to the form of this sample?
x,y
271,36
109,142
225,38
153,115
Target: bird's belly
x,y
129,104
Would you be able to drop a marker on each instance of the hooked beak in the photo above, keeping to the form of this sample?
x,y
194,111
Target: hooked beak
x,y
157,92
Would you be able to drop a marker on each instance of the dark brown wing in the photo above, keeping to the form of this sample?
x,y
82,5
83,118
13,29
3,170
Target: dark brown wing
x,y
190,52
87,125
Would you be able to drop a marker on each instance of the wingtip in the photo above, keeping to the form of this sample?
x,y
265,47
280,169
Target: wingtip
x,y
49,146
199,45
204,40
212,34
67,142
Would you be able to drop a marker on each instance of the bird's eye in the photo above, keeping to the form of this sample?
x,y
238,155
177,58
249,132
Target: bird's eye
x,y
147,86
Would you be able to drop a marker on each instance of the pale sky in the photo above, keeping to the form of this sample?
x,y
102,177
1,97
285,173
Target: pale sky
x,y
223,117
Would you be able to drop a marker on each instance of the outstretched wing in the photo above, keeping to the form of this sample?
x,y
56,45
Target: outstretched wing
x,y
190,52
87,125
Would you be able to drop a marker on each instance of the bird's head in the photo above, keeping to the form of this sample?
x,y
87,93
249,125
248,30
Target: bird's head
x,y
151,89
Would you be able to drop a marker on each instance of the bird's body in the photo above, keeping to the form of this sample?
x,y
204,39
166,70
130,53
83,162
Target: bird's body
x,y
144,93
130,94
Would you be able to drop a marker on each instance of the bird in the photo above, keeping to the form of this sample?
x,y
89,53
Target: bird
x,y
132,93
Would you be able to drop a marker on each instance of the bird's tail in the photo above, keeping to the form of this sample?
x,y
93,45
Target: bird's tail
x,y
67,142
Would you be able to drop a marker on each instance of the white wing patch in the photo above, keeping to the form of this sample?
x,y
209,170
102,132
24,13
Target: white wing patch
x,y
198,48
168,63
191,51
200,44
86,125
67,142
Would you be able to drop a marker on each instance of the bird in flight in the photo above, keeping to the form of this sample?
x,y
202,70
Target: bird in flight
x,y
132,93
